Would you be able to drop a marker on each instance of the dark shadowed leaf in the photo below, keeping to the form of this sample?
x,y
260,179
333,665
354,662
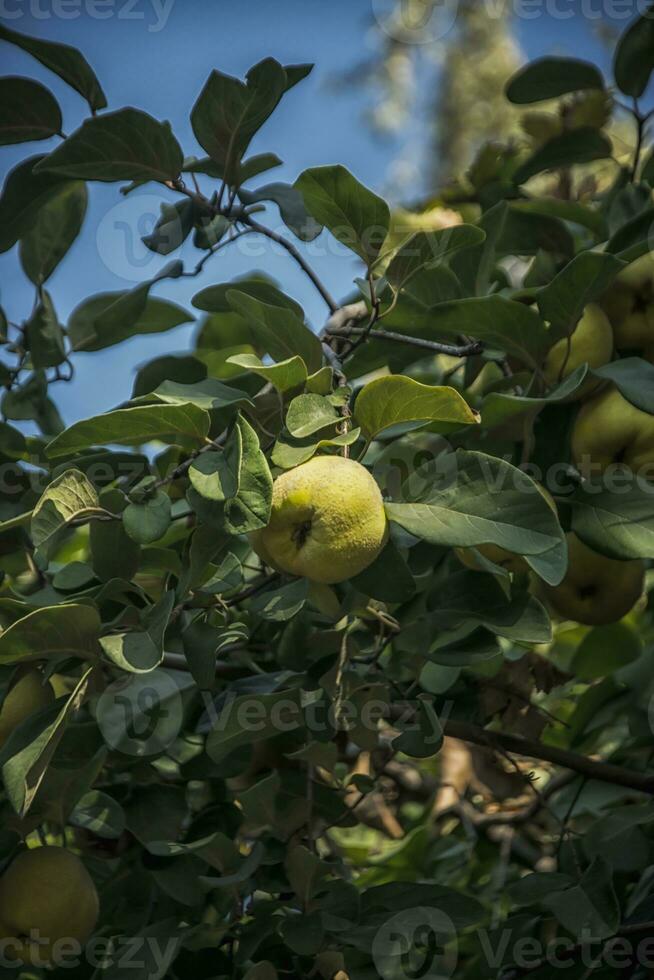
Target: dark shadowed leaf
x,y
576,146
634,55
28,111
123,145
63,60
548,78
53,230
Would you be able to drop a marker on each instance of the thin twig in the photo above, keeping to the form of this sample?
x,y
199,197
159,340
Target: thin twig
x,y
463,350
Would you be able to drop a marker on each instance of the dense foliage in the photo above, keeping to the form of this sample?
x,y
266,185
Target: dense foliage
x,y
440,766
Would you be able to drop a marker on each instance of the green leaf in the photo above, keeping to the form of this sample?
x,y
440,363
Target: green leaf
x,y
53,230
44,335
634,56
280,331
548,78
234,726
249,508
131,427
475,499
590,908
23,195
214,475
140,651
606,649
172,228
291,208
281,603
388,578
285,375
63,60
208,394
71,497
634,379
215,299
99,813
576,146
618,524
354,215
28,111
182,368
394,399
52,632
499,407
580,282
633,239
427,248
123,145
289,452
24,772
501,323
571,211
424,740
148,521
107,319
228,112
308,414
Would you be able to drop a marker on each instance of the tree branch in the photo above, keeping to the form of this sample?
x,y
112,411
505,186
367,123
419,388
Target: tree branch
x,y
454,350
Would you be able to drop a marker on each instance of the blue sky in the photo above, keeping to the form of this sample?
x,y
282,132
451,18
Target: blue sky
x,y
156,55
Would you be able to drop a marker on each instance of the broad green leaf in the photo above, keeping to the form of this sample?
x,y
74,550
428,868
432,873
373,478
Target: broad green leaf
x,y
23,195
234,727
71,497
291,207
281,603
208,394
606,649
228,112
470,598
499,407
634,379
148,521
182,368
474,267
132,426
573,147
426,248
548,78
24,772
528,232
633,239
51,632
44,335
391,400
63,60
634,55
501,323
140,651
590,908
573,211
109,318
388,578
618,523
53,230
580,282
280,331
249,508
285,375
354,215
215,299
214,475
12,442
476,499
28,111
308,414
123,145
289,452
